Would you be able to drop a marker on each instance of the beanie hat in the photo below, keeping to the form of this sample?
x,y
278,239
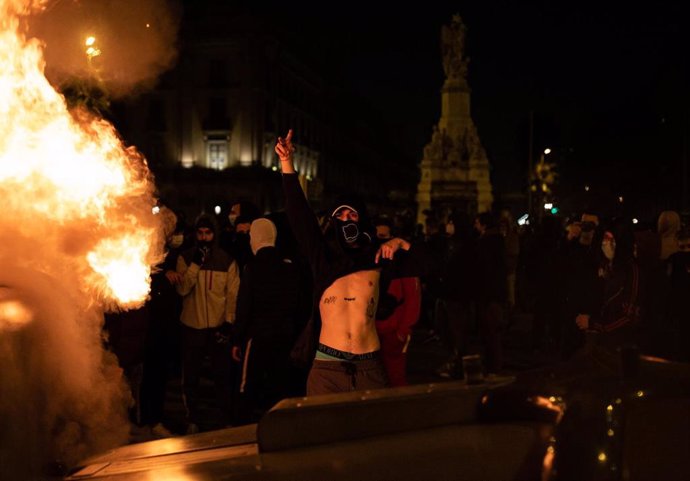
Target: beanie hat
x,y
205,221
262,233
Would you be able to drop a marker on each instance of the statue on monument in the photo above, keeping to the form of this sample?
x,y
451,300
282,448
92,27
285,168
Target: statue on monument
x,y
434,149
453,49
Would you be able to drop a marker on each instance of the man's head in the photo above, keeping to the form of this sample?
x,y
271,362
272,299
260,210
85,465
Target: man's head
x,y
383,229
346,219
262,234
205,230
588,224
242,224
484,221
243,208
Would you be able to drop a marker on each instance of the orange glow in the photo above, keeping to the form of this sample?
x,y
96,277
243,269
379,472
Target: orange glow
x,y
13,314
70,173
547,463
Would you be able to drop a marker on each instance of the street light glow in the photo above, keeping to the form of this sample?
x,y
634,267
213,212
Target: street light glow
x,y
216,209
90,41
547,151
548,206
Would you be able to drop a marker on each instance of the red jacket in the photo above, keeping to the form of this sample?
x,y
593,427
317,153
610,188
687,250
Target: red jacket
x,y
407,290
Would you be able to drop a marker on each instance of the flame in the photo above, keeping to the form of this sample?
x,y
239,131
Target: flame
x,y
70,173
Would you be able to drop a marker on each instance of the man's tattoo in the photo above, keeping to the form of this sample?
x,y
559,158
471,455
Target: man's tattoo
x,y
349,298
329,300
371,308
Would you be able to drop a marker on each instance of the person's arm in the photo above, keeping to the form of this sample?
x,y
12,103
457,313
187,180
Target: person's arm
x,y
302,219
189,275
388,249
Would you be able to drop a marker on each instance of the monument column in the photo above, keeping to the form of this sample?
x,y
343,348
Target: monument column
x,y
454,168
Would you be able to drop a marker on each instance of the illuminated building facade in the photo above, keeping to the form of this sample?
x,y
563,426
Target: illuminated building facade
x,y
214,119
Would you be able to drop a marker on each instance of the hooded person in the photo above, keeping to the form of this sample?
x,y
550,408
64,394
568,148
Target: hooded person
x,y
346,271
208,286
268,308
349,226
262,233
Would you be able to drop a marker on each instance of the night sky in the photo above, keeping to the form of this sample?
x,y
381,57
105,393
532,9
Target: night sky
x,y
607,81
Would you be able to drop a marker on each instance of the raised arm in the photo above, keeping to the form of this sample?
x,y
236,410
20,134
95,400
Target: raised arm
x,y
302,219
284,149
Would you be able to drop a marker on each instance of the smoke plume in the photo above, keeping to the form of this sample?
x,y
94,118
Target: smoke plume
x,y
133,41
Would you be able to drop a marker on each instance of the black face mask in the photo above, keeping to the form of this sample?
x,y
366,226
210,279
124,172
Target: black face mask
x,y
347,231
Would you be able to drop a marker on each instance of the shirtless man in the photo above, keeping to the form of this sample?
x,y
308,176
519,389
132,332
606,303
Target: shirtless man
x,y
345,263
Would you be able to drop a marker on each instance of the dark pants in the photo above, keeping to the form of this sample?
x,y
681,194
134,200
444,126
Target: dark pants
x,y
265,376
197,344
456,317
490,319
162,353
329,377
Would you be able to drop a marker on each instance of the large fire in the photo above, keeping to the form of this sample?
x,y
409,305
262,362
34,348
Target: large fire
x,y
78,237
70,170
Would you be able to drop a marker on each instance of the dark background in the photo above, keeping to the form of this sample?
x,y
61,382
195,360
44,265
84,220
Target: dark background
x,y
606,84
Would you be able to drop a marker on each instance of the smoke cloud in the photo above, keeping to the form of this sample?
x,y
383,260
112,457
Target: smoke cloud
x,y
134,41
78,231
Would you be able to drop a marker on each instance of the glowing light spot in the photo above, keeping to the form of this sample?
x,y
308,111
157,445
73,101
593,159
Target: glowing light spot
x,y
618,400
552,399
90,41
602,457
639,393
216,209
274,168
610,433
586,188
156,210
609,408
13,315
148,25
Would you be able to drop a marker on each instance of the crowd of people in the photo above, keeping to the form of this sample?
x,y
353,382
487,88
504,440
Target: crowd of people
x,y
275,305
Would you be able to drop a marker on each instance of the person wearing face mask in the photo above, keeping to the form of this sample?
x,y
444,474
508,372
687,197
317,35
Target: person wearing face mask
x,y
347,264
617,314
268,311
209,283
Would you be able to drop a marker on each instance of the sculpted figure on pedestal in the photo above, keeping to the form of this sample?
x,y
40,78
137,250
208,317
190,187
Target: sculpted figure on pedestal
x,y
453,49
434,149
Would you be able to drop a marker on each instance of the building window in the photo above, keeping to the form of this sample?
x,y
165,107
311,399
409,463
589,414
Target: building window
x,y
217,153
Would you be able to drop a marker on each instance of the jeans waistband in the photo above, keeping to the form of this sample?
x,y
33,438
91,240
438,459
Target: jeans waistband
x,y
347,356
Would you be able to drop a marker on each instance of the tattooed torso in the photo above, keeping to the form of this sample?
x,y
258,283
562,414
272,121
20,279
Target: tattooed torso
x,y
347,308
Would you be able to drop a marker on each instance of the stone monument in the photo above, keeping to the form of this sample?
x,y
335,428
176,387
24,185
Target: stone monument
x,y
455,168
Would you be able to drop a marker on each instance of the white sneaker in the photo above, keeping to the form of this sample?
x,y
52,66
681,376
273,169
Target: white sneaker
x,y
161,431
192,428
